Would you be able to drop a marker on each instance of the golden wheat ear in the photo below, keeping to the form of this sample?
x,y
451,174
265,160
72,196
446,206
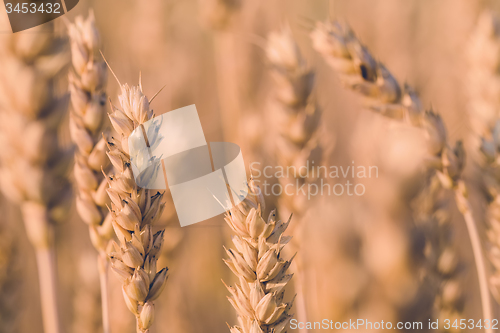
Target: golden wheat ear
x,y
257,262
87,84
133,211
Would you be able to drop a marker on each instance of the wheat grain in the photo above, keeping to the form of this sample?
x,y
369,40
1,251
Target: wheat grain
x,y
360,72
86,84
33,171
259,266
134,210
87,296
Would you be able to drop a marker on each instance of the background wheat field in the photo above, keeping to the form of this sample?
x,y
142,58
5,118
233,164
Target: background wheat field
x,y
388,86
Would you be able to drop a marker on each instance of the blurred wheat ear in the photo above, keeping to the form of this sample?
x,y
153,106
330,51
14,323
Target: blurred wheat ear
x,y
443,267
484,92
134,211
296,114
297,117
86,84
258,264
359,71
34,168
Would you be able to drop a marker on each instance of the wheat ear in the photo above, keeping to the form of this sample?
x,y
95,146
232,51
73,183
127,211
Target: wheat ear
x,y
360,72
134,210
296,112
33,169
297,116
484,92
442,263
86,84
259,266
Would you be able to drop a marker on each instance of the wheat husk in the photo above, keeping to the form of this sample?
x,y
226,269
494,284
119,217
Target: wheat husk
x,y
9,283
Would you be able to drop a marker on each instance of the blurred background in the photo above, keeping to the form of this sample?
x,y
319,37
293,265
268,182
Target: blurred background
x,y
361,255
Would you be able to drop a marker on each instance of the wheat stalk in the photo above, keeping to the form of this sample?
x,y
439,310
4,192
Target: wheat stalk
x,y
9,284
360,72
297,116
134,210
259,266
86,84
86,298
219,16
33,167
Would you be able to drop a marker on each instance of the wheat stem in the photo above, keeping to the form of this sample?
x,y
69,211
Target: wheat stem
x,y
10,265
300,300
219,16
227,83
45,258
464,207
103,265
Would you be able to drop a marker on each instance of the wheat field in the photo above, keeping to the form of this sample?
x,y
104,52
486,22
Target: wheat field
x,y
370,134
